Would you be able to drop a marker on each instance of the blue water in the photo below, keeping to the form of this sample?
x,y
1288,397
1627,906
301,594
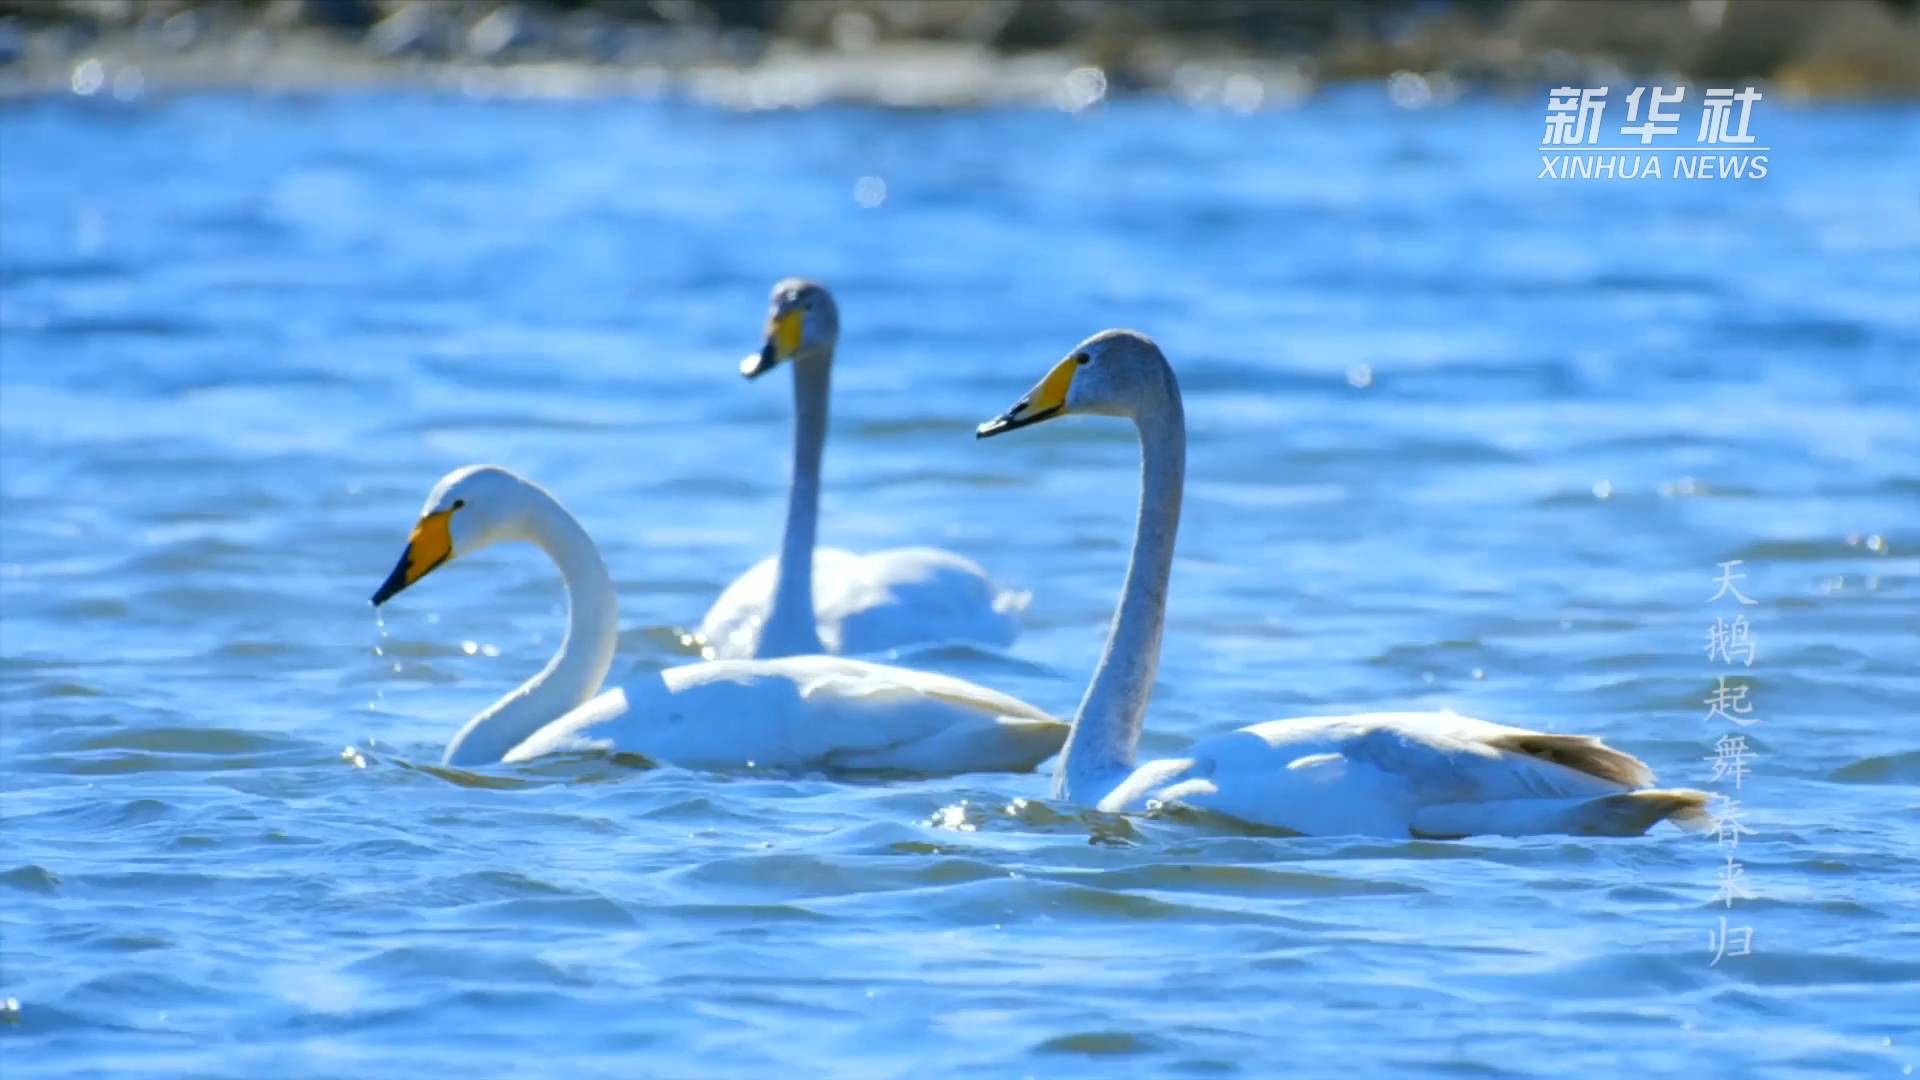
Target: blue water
x,y
1460,437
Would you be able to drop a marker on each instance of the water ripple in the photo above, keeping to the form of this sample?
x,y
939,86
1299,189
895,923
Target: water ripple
x,y
1458,439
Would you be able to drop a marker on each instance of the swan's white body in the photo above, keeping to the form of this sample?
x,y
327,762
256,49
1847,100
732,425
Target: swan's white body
x,y
806,713
798,713
868,604
1435,775
806,599
1380,774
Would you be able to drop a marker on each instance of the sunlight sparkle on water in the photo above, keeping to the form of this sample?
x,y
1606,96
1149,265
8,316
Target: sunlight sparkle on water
x,y
954,817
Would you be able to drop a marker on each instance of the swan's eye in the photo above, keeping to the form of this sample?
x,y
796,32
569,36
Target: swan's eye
x,y
457,504
1082,359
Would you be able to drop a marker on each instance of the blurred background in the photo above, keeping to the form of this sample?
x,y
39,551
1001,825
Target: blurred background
x,y
768,53
1460,437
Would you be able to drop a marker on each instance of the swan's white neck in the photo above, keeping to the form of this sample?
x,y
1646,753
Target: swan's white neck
x,y
791,628
1105,731
585,656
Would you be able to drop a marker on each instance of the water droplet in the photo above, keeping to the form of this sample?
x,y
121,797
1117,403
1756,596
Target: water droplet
x,y
380,649
1603,489
1360,376
469,647
1243,93
88,76
128,83
869,192
1409,90
1082,88
1479,673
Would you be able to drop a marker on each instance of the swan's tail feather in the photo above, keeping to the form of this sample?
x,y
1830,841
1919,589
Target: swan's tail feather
x,y
1031,742
1581,753
1687,807
1012,744
1628,813
1631,813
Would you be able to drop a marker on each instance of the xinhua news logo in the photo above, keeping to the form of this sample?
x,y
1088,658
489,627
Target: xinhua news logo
x,y
1722,147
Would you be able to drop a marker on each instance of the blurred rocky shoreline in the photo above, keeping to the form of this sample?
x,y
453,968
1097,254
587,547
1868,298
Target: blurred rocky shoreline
x,y
1242,54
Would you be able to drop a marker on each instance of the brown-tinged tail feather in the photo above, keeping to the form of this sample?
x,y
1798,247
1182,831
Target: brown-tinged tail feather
x,y
1631,813
1581,753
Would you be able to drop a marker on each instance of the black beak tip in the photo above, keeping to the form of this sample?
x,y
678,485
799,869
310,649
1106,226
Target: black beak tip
x,y
758,364
1013,420
394,583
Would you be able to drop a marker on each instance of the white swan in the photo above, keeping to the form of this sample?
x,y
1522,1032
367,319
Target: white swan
x,y
1384,774
815,712
828,600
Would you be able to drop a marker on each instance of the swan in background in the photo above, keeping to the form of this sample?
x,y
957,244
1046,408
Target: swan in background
x,y
1433,775
811,599
815,712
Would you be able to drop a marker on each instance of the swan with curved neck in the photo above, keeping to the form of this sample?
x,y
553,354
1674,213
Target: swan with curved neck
x,y
809,599
813,712
1435,775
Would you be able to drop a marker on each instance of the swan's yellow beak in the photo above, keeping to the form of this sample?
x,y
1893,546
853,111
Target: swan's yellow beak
x,y
1044,402
783,340
430,545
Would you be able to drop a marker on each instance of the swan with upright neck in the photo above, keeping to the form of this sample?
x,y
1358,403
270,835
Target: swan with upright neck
x,y
809,599
1434,775
796,713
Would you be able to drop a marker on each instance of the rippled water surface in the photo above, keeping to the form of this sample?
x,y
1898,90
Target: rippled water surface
x,y
1459,438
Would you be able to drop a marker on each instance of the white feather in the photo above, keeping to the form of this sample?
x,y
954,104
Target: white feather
x,y
871,603
806,713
